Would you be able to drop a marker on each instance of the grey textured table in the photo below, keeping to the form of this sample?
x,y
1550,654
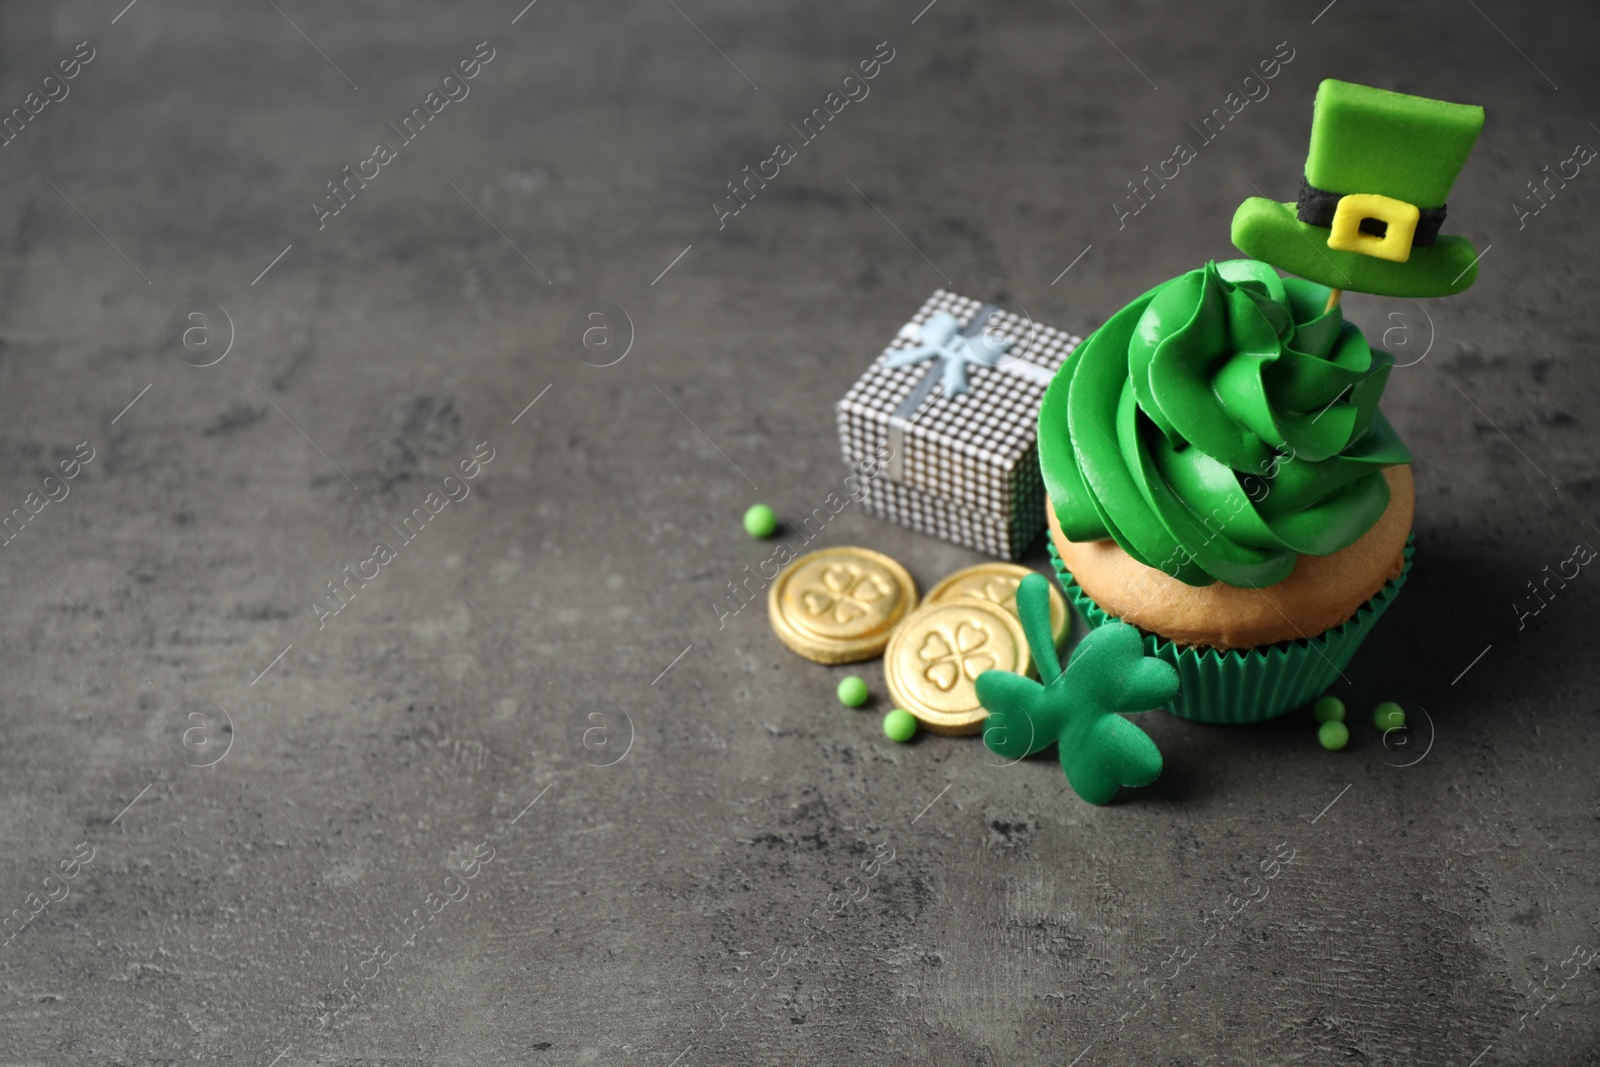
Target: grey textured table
x,y
291,891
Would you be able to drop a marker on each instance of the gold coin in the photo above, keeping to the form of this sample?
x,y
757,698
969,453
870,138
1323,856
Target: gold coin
x,y
934,659
997,583
839,605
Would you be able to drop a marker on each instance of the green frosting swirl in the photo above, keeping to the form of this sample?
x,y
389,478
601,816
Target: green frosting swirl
x,y
1219,426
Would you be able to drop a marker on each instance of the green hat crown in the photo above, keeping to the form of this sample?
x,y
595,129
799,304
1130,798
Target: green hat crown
x,y
1377,175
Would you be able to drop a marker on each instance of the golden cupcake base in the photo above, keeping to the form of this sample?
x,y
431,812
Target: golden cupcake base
x,y
1321,593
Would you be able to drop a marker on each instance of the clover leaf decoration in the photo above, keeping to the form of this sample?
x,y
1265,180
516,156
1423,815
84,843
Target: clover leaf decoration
x,y
1078,709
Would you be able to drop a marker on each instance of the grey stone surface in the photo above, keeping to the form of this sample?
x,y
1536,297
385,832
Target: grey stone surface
x,y
632,914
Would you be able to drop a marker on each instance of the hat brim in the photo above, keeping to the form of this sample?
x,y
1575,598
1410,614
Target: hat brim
x,y
1268,230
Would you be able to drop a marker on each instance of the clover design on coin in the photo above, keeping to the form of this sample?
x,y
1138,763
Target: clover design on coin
x,y
1002,591
953,656
840,605
935,657
997,583
847,593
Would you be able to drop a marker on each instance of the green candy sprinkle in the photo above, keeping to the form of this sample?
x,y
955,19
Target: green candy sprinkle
x,y
900,725
1333,735
760,521
1329,709
853,692
1389,716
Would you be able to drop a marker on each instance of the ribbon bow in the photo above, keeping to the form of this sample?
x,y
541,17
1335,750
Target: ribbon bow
x,y
944,340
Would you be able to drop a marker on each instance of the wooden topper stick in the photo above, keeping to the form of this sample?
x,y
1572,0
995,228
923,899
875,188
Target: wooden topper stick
x,y
1333,300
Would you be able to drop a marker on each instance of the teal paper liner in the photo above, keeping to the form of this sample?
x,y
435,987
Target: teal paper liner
x,y
1252,685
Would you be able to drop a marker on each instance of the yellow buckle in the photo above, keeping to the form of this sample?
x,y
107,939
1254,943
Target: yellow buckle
x,y
1399,217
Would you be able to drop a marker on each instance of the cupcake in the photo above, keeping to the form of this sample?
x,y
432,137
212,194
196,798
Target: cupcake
x,y
1221,477
1218,470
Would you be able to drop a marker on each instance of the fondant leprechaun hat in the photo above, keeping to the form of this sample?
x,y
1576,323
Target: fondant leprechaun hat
x,y
1377,175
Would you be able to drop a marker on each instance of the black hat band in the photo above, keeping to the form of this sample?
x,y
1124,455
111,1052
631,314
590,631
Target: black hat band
x,y
1317,208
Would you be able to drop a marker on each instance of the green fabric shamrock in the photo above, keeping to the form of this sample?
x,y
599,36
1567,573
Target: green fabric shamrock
x,y
1108,673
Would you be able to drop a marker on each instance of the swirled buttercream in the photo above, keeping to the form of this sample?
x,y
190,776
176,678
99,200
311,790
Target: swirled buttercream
x,y
1219,426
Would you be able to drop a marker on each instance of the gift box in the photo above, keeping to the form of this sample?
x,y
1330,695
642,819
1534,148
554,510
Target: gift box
x,y
947,415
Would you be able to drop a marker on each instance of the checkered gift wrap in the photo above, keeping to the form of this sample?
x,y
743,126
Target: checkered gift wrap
x,y
964,468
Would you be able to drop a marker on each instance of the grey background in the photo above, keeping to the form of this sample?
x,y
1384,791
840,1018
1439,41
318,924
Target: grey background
x,y
625,916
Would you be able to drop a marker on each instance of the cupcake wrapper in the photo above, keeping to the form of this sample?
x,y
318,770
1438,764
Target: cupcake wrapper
x,y
1252,685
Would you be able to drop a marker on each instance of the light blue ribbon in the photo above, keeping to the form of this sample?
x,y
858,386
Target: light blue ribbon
x,y
943,340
